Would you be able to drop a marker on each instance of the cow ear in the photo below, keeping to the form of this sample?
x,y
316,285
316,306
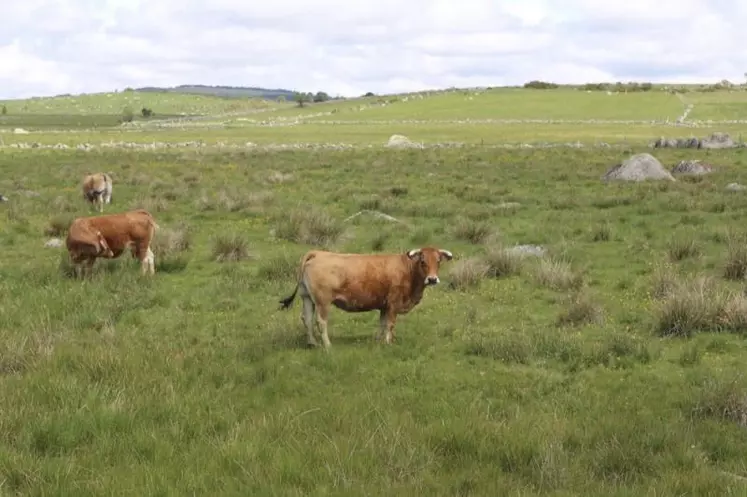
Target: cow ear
x,y
445,254
413,253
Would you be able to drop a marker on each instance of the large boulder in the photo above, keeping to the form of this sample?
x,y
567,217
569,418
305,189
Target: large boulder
x,y
692,167
639,167
401,141
718,140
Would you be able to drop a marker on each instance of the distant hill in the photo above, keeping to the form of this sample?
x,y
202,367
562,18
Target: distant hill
x,y
224,91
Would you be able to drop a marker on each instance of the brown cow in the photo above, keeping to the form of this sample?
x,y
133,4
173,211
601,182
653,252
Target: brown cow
x,y
97,189
89,238
392,284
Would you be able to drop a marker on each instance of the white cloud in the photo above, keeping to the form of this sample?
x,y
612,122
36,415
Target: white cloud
x,y
348,48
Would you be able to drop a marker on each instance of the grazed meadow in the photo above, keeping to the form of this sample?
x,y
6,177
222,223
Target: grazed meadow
x,y
613,365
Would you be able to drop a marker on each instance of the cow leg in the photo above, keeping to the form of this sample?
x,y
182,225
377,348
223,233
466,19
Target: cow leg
x,y
150,261
307,316
322,313
88,265
382,325
77,269
391,319
147,259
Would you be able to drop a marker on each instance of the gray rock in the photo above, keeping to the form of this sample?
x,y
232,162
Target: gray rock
x,y
735,187
53,243
692,167
535,250
401,141
718,140
639,167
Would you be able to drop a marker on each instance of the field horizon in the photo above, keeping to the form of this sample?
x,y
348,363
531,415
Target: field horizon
x,y
587,339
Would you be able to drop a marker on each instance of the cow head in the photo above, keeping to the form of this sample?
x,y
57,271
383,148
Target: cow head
x,y
104,249
429,259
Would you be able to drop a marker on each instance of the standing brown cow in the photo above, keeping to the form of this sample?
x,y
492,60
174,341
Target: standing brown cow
x,y
97,189
89,238
392,284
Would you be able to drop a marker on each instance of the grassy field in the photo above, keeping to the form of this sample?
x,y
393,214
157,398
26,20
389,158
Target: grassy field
x,y
378,134
718,105
107,109
613,365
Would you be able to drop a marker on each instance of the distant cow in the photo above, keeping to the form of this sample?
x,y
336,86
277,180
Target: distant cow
x,y
392,284
89,238
97,189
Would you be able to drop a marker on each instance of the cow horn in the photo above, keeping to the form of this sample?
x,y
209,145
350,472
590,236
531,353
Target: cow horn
x,y
412,253
446,254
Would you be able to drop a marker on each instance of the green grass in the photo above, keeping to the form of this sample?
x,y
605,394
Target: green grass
x,y
568,375
722,105
113,103
523,104
378,134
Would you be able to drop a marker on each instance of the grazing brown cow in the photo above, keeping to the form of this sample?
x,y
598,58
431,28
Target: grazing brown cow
x,y
392,284
89,238
97,189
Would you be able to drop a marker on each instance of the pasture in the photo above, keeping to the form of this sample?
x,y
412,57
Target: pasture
x,y
611,365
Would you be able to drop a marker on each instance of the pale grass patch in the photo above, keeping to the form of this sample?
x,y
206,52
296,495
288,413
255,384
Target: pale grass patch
x,y
733,315
664,280
310,226
231,248
467,273
582,309
693,305
735,267
172,240
557,275
277,177
472,231
503,262
150,204
58,225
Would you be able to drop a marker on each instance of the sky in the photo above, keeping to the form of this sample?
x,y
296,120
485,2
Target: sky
x,y
350,47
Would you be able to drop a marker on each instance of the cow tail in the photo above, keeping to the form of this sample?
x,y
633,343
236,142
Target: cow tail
x,y
153,226
288,301
108,185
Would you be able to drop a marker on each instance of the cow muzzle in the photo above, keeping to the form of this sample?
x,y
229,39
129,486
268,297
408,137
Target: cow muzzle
x,y
431,280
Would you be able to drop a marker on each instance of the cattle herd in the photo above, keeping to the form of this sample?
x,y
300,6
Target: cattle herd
x,y
392,284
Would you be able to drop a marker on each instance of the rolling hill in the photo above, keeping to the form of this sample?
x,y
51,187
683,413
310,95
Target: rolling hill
x,y
223,91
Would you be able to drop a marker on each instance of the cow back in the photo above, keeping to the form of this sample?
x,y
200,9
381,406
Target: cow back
x,y
367,279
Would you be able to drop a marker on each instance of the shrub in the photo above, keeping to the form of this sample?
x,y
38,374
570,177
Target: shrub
x,y
279,268
127,114
690,307
58,225
736,258
683,247
467,273
558,275
172,240
722,400
231,248
582,309
502,262
313,227
472,231
663,281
